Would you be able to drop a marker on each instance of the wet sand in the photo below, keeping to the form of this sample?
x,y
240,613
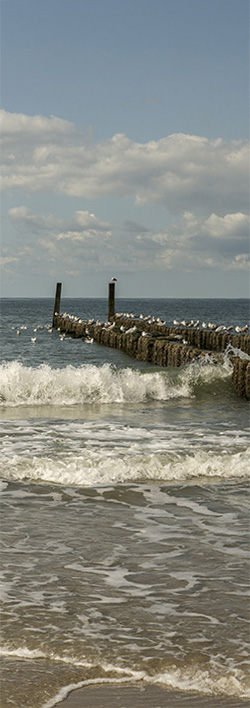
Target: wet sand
x,y
144,697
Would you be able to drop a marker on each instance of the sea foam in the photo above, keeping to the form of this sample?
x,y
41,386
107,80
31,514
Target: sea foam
x,y
43,385
184,679
96,469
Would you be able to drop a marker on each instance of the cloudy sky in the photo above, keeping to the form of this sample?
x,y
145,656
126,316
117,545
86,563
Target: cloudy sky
x,y
125,138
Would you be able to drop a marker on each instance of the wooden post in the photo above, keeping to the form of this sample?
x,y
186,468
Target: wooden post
x,y
57,302
111,303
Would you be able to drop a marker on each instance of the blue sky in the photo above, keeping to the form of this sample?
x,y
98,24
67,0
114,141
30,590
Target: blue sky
x,y
125,130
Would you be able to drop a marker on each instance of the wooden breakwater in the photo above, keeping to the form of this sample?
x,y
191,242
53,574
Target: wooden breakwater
x,y
162,345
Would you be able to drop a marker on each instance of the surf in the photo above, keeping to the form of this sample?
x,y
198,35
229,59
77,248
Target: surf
x,y
22,385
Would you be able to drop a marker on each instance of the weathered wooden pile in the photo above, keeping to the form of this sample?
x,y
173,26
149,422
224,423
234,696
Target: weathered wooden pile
x,y
162,345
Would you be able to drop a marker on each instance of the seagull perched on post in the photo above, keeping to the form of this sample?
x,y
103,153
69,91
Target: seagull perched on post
x,y
113,280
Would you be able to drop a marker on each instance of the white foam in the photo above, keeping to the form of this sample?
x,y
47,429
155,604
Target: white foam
x,y
22,385
205,681
102,467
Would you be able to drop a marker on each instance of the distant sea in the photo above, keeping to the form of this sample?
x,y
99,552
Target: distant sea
x,y
125,529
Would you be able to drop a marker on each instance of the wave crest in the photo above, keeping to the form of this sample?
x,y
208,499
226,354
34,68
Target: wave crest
x,y
23,385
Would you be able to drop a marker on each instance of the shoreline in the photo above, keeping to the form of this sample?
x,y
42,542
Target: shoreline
x,y
141,696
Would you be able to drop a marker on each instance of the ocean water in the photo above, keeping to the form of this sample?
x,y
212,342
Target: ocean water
x,y
124,512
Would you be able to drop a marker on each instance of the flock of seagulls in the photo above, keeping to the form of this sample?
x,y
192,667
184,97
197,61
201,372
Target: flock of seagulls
x,y
211,326
192,324
33,339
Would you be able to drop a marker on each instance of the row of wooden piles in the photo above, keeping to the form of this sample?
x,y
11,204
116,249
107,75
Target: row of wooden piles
x,y
162,349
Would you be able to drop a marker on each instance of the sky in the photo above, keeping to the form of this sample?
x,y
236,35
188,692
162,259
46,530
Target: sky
x,y
125,147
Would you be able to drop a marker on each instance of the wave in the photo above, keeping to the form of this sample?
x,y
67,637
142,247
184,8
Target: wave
x,y
23,385
193,678
97,468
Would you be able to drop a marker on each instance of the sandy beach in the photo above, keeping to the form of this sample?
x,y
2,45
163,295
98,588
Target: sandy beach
x,y
144,697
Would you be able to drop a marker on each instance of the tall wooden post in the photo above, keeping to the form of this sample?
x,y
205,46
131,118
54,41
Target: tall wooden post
x,y
57,302
111,303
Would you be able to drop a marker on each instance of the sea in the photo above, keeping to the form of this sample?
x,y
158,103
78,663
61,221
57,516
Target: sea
x,y
124,510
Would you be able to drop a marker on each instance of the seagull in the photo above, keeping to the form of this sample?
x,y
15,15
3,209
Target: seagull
x,y
239,330
175,322
113,280
221,328
18,331
132,330
33,339
89,340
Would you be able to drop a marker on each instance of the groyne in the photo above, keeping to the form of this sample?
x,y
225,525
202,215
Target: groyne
x,y
162,345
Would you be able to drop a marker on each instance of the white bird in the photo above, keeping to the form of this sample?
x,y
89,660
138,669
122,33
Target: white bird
x,y
18,331
175,322
89,340
145,334
50,331
33,339
132,330
221,328
113,280
239,330
212,325
204,325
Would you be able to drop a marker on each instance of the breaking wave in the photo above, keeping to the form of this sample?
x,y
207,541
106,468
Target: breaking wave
x,y
194,678
94,469
43,385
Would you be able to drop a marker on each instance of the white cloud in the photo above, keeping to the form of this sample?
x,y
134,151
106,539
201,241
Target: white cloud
x,y
83,241
14,124
81,222
184,172
240,262
83,238
228,226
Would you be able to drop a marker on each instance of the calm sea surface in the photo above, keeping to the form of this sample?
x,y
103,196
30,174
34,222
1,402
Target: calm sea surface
x,y
125,530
